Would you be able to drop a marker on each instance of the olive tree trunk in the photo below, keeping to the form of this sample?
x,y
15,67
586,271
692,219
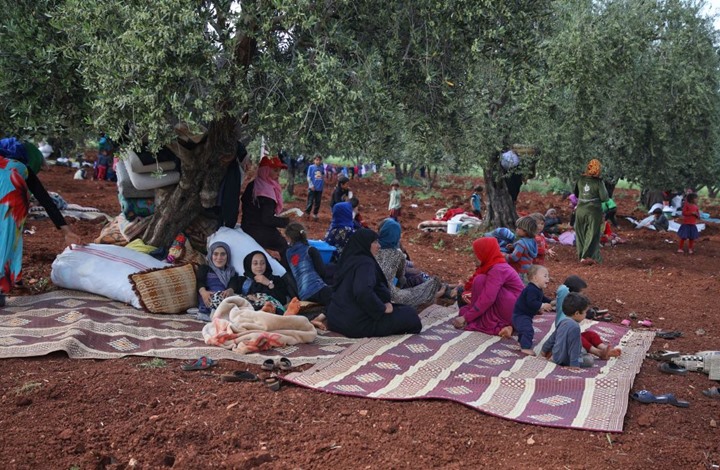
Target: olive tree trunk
x,y
501,209
203,167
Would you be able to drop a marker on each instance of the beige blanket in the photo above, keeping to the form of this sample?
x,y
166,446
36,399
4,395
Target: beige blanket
x,y
236,326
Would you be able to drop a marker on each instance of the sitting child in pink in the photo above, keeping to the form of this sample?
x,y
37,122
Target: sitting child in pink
x,y
496,287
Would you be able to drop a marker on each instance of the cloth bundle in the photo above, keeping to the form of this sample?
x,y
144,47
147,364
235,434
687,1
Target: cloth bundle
x,y
237,326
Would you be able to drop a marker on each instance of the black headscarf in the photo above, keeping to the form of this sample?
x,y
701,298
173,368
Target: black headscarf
x,y
358,246
247,264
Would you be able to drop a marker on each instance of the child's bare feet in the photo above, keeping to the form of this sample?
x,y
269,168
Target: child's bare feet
x,y
506,332
319,322
293,307
528,352
268,307
459,322
614,352
439,294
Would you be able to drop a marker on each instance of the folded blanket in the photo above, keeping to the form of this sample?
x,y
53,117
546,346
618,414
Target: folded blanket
x,y
71,210
237,326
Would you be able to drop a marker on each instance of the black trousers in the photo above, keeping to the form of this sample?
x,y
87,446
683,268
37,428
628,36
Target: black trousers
x,y
313,201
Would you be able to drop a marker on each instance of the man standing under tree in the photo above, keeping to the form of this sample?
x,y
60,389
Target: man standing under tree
x,y
315,179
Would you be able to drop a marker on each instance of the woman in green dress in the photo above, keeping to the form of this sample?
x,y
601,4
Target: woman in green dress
x,y
591,193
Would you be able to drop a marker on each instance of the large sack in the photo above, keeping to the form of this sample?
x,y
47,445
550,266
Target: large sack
x,y
145,181
241,244
125,186
102,270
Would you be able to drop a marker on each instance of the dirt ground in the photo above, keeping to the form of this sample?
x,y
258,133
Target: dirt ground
x,y
84,414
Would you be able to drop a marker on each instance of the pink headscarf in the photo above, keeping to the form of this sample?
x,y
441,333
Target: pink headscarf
x,y
266,186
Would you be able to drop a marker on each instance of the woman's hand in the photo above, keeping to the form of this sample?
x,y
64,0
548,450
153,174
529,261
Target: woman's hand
x,y
550,253
261,279
206,296
227,293
459,322
388,308
70,236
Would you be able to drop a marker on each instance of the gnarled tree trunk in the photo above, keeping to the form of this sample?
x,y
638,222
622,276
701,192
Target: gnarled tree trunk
x,y
501,209
203,167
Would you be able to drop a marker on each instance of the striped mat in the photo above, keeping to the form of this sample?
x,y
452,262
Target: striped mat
x,y
487,373
87,326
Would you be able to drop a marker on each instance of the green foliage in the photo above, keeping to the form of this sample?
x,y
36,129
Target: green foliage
x,y
439,245
27,387
425,195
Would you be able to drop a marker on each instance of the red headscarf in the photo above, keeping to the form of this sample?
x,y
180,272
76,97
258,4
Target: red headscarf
x,y
488,253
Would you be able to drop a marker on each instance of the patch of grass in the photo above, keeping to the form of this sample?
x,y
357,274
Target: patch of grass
x,y
27,387
440,245
425,195
74,467
41,285
155,363
287,197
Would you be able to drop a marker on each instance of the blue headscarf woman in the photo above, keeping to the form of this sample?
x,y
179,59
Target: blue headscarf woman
x,y
341,228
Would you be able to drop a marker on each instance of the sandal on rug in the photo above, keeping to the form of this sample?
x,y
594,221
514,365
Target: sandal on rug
x,y
202,363
284,364
668,334
643,396
645,323
269,364
240,376
671,368
273,383
662,355
606,317
712,392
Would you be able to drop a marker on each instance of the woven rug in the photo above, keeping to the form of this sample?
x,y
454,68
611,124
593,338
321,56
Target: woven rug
x,y
487,373
87,326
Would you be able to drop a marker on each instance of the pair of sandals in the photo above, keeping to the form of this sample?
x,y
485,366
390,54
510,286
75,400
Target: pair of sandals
x,y
283,364
668,334
272,382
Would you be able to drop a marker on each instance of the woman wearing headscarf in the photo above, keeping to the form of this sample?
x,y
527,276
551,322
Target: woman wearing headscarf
x,y
392,262
19,164
216,280
361,301
591,193
259,278
341,227
495,287
261,203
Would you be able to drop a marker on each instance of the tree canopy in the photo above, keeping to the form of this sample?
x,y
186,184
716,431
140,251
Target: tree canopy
x,y
429,82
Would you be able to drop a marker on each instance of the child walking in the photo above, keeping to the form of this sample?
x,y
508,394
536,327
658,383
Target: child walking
x,y
688,230
531,302
394,206
524,249
564,347
476,201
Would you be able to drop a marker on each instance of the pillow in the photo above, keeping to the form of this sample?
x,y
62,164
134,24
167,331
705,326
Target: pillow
x,y
102,270
125,186
241,244
138,166
166,290
145,181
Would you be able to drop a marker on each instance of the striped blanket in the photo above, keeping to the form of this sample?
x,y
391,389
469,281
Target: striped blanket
x,y
487,373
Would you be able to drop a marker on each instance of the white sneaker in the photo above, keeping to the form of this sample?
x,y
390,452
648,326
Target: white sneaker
x,y
691,363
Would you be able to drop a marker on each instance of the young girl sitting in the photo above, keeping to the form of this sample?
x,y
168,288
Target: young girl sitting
x,y
688,230
524,249
542,248
216,280
260,285
307,266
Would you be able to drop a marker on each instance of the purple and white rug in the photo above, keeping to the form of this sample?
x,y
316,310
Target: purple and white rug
x,y
488,373
87,326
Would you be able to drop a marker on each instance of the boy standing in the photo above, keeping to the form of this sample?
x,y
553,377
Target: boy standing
x,y
315,179
564,347
394,205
